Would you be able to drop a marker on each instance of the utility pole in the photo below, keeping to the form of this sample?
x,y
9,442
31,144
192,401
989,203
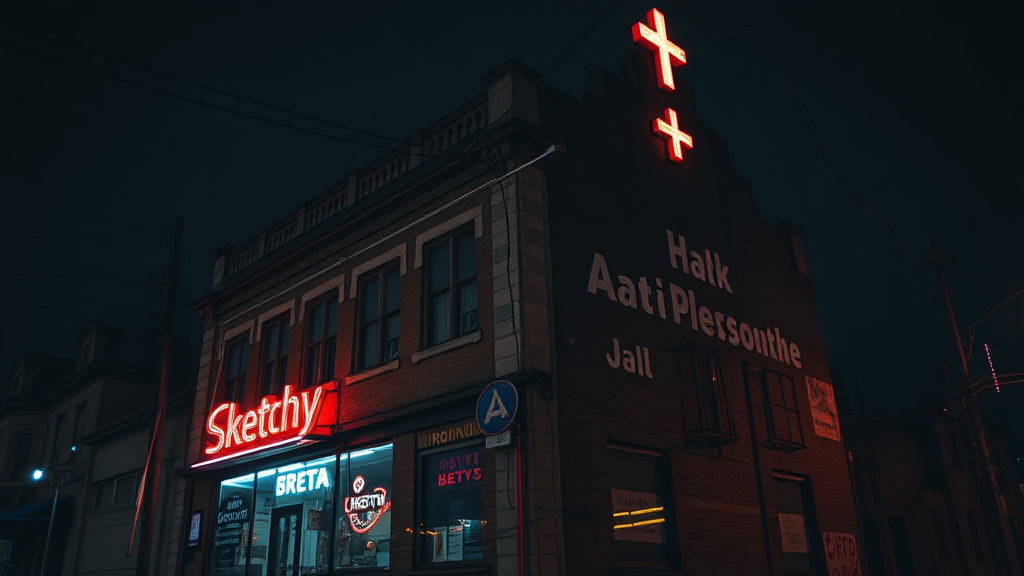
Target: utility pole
x,y
151,476
976,428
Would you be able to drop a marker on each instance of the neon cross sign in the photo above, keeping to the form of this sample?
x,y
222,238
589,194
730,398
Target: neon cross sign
x,y
668,56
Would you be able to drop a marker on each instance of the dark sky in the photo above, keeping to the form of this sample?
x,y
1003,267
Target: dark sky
x,y
917,105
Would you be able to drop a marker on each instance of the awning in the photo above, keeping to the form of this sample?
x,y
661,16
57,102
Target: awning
x,y
40,511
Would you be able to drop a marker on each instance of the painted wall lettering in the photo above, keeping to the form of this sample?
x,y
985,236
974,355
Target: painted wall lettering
x,y
666,300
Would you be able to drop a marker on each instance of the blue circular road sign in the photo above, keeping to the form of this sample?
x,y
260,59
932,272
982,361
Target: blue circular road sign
x,y
496,407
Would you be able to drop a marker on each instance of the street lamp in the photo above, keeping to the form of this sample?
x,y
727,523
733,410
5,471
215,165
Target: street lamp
x,y
65,477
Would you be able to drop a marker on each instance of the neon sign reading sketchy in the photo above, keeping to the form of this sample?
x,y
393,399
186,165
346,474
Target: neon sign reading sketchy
x,y
273,422
667,57
364,510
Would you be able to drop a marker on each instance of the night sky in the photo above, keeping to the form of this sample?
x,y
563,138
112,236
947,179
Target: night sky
x,y
917,105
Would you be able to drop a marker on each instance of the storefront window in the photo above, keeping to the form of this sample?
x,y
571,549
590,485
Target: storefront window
x,y
292,520
233,525
364,518
451,509
641,507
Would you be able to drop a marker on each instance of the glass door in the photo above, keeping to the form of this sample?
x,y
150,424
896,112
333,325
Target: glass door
x,y
285,532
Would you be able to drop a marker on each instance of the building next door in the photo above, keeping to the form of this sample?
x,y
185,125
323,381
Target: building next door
x,y
285,533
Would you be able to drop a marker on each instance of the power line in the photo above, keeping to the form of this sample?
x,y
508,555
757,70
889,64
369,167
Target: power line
x,y
193,100
210,88
817,141
80,234
70,299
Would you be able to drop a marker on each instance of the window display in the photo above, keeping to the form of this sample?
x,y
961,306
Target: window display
x,y
232,527
451,510
291,523
364,519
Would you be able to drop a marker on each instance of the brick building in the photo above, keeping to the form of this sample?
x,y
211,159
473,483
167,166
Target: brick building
x,y
86,423
920,493
660,333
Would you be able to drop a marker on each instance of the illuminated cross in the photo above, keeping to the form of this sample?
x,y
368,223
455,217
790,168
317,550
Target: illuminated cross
x,y
675,138
669,54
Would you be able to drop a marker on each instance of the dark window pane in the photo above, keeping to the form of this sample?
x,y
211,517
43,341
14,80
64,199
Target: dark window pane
x,y
328,368
369,342
316,322
370,300
439,268
104,495
332,316
392,297
272,350
465,258
124,491
311,357
439,328
467,308
391,337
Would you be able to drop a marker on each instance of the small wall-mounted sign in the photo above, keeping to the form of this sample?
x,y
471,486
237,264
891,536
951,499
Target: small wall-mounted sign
x,y
496,407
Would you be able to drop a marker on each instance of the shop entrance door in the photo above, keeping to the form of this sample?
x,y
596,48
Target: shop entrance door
x,y
285,533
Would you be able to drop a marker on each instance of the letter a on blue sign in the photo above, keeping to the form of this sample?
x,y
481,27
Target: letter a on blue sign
x,y
496,407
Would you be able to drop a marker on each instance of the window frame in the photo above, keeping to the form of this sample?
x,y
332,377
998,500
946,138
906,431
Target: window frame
x,y
453,286
326,343
234,384
113,494
278,365
794,439
380,275
25,461
669,549
60,425
719,430
421,476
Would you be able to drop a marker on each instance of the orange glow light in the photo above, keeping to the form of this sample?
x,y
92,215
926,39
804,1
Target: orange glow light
x,y
669,55
675,138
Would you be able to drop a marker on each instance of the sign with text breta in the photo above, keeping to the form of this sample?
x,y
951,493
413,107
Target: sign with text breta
x,y
496,407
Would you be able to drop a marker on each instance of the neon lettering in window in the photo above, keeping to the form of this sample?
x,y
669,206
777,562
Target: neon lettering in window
x,y
364,510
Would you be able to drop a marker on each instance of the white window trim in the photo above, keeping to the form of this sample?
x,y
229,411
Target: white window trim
x,y
273,314
337,283
471,338
233,333
474,215
398,252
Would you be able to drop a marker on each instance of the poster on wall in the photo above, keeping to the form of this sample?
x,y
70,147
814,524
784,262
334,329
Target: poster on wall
x,y
841,554
440,535
637,516
455,543
794,533
823,408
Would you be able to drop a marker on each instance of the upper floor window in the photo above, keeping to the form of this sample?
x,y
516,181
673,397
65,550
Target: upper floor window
x,y
321,339
275,355
58,438
451,309
377,333
22,457
706,412
116,492
782,414
238,360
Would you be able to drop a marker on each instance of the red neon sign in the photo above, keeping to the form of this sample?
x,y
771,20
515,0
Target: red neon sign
x,y
364,510
274,422
669,55
675,138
